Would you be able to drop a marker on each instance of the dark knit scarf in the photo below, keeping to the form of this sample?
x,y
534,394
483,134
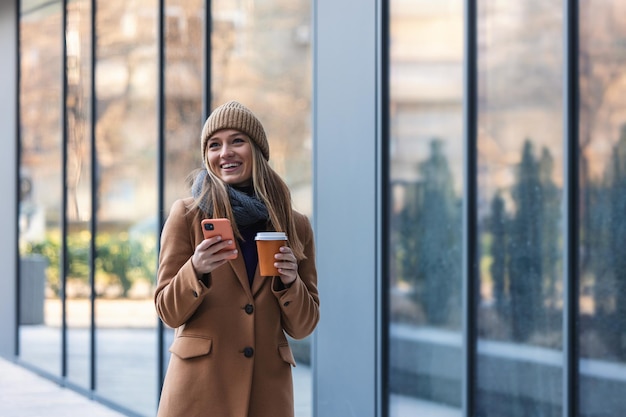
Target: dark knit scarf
x,y
247,209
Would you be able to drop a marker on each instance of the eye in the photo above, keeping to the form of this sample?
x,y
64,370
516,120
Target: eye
x,y
213,145
239,140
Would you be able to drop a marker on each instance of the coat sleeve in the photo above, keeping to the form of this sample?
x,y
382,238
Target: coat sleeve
x,y
299,304
179,292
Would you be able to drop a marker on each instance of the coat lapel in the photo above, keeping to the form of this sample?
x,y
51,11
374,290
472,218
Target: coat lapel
x,y
258,282
239,267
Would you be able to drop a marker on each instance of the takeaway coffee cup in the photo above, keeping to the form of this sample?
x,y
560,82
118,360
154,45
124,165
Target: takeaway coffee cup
x,y
268,245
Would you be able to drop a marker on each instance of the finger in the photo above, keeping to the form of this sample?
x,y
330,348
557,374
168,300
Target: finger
x,y
206,243
285,254
286,262
208,263
286,265
287,276
286,250
220,246
226,254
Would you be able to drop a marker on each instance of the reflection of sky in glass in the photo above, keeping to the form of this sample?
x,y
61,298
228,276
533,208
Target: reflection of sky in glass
x,y
520,88
426,86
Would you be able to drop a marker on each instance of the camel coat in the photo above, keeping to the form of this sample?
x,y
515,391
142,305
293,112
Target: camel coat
x,y
230,356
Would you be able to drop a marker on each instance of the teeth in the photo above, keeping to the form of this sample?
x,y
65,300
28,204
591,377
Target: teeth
x,y
233,165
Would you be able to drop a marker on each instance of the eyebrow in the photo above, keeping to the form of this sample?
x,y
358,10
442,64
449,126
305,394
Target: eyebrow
x,y
230,136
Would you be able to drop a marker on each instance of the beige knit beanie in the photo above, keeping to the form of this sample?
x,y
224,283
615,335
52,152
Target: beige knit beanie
x,y
234,115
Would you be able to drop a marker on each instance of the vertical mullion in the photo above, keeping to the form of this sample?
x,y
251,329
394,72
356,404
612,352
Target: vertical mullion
x,y
94,201
383,203
208,24
570,261
470,279
18,158
64,194
161,151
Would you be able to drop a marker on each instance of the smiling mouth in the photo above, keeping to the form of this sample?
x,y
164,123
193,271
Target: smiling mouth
x,y
230,165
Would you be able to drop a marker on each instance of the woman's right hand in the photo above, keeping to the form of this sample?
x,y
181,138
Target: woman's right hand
x,y
210,254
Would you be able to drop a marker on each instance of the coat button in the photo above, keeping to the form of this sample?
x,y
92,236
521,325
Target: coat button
x,y
248,352
249,308
286,304
195,294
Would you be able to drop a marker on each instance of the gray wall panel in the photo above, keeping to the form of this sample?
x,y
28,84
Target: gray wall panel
x,y
8,57
345,178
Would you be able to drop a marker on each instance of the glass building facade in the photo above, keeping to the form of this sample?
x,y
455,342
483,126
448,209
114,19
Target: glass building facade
x,y
463,163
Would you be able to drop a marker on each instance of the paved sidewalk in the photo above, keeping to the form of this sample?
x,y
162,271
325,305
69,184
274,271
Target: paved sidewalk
x,y
26,394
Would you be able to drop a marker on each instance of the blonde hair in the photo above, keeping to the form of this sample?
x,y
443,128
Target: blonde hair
x,y
268,187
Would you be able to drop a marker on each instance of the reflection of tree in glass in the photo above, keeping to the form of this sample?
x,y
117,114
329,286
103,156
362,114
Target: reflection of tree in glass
x,y
550,230
525,249
431,237
607,233
618,241
498,228
602,56
525,266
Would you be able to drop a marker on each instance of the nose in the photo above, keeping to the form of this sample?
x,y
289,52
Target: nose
x,y
227,151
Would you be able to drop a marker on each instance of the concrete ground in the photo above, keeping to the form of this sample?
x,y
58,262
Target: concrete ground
x,y
26,394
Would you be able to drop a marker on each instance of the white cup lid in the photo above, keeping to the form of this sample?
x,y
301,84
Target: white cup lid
x,y
271,236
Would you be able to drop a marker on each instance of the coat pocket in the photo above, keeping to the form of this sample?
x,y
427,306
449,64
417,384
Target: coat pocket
x,y
286,354
187,347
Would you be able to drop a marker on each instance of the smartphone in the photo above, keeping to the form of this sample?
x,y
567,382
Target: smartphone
x,y
222,227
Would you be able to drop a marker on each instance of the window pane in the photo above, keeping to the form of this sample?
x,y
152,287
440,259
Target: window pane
x,y
41,185
426,163
261,56
126,147
520,160
602,299
184,68
78,182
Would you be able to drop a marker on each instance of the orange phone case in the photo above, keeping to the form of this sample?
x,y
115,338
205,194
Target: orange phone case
x,y
222,227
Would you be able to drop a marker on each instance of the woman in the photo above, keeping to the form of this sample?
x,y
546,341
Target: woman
x,y
230,356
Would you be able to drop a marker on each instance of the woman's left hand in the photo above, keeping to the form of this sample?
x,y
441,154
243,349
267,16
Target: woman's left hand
x,y
287,265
